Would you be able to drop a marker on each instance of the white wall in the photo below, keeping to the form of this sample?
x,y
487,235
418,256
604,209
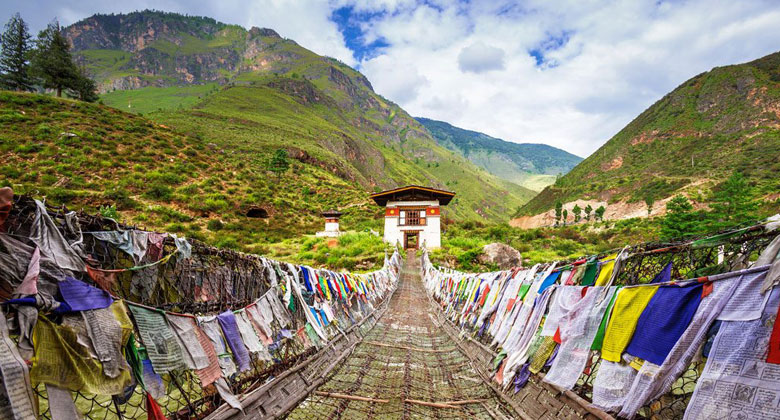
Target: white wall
x,y
430,234
413,203
331,226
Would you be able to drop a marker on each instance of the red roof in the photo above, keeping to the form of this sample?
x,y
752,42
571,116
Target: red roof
x,y
413,193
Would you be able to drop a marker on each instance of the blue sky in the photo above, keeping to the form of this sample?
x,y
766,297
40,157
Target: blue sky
x,y
569,73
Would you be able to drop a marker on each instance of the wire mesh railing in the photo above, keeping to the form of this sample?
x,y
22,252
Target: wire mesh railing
x,y
209,281
706,256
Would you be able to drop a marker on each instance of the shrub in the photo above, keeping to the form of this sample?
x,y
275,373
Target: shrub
x,y
468,259
43,131
61,195
11,172
215,225
227,242
215,204
120,197
109,211
163,177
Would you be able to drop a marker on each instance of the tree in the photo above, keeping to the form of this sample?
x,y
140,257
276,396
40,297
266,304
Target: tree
x,y
558,208
577,210
649,201
599,215
52,63
565,216
83,88
732,204
588,210
279,163
15,55
680,220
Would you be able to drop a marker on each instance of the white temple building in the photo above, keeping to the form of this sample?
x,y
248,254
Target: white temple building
x,y
331,224
412,215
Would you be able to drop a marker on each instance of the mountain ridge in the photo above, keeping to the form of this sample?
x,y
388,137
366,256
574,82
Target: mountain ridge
x,y
270,93
522,163
688,142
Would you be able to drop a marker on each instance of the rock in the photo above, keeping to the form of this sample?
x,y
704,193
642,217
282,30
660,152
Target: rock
x,y
501,255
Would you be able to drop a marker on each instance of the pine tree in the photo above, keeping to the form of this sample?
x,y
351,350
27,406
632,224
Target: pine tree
x,y
279,162
83,88
732,204
558,209
52,62
14,55
600,213
680,220
649,201
577,210
565,216
588,210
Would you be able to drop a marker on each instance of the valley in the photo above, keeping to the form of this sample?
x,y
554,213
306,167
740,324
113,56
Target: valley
x,y
193,110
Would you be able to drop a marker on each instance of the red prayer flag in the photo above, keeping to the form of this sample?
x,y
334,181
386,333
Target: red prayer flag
x,y
153,411
774,343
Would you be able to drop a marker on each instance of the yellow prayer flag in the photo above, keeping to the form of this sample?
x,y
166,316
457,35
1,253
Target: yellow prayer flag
x,y
60,360
606,270
637,363
542,354
629,304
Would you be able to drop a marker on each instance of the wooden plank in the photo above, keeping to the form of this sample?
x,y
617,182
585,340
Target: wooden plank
x,y
398,346
350,397
432,404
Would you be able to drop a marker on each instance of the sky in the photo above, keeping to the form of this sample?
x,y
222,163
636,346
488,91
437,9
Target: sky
x,y
568,73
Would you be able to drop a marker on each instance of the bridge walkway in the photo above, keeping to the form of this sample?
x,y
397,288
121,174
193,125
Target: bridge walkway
x,y
405,368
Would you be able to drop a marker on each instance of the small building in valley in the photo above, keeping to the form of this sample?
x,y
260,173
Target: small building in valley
x,y
331,224
412,215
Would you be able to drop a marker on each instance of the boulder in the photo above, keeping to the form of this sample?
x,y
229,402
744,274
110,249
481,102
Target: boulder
x,y
501,255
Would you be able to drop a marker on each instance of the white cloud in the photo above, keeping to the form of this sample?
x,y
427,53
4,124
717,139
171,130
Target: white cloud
x,y
401,82
479,58
602,63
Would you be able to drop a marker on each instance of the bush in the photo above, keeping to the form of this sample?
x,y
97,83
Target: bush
x,y
11,172
120,197
163,177
43,132
109,211
159,191
215,225
168,214
468,259
227,242
61,195
215,204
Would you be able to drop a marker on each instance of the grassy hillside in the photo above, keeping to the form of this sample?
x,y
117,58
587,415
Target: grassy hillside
x,y
88,156
724,120
151,99
319,135
533,166
254,91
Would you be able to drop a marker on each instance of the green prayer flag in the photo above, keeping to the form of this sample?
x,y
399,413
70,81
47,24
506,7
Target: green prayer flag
x,y
591,271
717,239
599,340
522,292
134,360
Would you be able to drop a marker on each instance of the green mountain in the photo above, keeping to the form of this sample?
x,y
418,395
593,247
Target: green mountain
x,y
531,165
252,92
690,141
